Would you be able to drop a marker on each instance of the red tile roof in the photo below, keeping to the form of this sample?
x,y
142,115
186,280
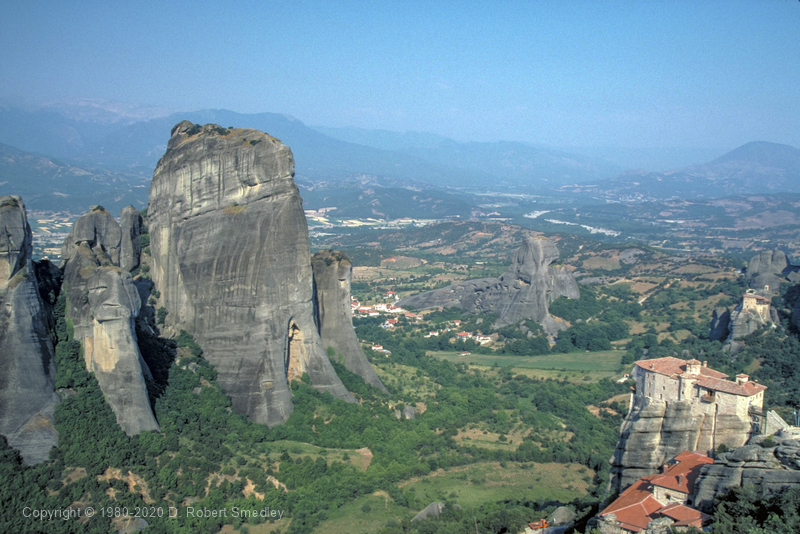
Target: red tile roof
x,y
684,516
636,506
680,476
748,389
673,367
707,378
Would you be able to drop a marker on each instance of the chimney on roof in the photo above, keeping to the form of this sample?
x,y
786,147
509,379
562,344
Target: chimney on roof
x,y
705,363
742,379
681,479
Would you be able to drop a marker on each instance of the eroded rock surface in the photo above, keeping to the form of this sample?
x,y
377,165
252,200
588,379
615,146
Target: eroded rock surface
x,y
769,268
27,368
333,272
231,259
524,291
130,247
656,431
720,319
772,468
103,304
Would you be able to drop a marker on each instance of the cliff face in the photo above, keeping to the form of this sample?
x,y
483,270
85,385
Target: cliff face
x,y
103,303
27,367
772,468
719,327
769,268
656,431
523,292
231,258
332,274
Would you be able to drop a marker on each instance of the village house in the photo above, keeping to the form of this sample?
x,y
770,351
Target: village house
x,y
664,495
672,379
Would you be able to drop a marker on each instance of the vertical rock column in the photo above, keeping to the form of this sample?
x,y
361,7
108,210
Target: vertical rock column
x,y
231,258
27,368
103,303
332,274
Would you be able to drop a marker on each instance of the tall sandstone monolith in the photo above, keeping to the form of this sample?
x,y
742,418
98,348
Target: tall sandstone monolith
x,y
524,291
103,304
231,258
333,272
27,367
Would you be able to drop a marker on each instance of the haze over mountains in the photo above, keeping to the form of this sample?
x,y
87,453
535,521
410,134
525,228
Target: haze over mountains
x,y
69,156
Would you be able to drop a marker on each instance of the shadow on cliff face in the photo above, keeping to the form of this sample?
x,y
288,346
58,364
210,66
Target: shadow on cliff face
x,y
159,353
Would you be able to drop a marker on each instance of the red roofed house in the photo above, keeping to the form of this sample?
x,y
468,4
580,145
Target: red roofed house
x,y
665,495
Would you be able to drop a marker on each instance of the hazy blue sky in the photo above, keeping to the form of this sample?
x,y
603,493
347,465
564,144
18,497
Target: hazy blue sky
x,y
584,73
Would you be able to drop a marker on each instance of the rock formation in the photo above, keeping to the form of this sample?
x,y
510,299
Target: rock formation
x,y
130,247
681,406
332,274
231,258
744,322
103,304
773,468
656,431
524,291
769,268
27,367
720,319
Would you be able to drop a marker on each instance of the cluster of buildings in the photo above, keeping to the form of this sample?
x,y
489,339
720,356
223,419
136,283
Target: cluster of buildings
x,y
667,497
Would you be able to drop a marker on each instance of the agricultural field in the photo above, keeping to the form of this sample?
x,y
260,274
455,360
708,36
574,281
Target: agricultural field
x,y
583,366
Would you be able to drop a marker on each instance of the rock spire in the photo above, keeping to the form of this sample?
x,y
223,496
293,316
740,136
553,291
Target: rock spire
x,y
231,259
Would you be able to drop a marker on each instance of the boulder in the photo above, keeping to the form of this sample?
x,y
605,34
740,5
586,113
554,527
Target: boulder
x,y
27,365
231,258
333,272
524,291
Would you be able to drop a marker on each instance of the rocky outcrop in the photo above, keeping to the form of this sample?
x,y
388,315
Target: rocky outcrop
x,y
332,274
103,304
27,367
743,323
433,510
720,319
656,431
231,259
769,268
772,468
524,291
130,247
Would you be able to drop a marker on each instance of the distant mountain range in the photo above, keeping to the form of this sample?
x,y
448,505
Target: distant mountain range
x,y
90,136
91,149
754,168
46,183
